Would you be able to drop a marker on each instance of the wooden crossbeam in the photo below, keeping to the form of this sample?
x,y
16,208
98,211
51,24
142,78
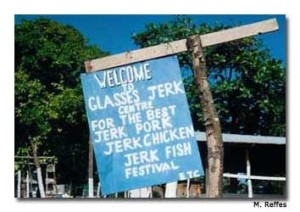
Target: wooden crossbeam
x,y
175,47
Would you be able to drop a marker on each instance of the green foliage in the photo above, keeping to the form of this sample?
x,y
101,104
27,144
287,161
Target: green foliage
x,y
49,107
248,85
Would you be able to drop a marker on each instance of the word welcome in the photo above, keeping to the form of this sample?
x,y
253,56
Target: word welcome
x,y
124,75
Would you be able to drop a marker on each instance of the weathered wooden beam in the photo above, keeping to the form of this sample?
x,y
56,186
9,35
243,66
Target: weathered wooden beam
x,y
213,130
239,32
180,45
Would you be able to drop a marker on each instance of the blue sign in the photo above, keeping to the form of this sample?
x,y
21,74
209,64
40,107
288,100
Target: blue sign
x,y
140,125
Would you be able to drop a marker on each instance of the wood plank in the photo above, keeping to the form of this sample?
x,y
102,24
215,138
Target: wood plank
x,y
136,55
239,32
180,45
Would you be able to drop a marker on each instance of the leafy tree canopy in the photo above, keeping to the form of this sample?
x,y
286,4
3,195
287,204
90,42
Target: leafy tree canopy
x,y
248,84
49,108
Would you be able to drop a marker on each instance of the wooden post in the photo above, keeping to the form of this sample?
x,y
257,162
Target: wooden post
x,y
188,183
150,192
91,164
171,189
98,190
38,170
248,168
91,159
27,184
47,182
19,184
211,120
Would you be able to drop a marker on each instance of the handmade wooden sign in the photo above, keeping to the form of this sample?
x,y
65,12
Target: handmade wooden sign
x,y
140,125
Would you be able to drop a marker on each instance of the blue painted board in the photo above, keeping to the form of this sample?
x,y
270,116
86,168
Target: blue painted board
x,y
140,125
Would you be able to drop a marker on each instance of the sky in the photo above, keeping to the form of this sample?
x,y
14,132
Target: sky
x,y
113,33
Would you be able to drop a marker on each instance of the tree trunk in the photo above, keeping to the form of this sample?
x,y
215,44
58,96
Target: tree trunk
x,y
212,124
38,170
